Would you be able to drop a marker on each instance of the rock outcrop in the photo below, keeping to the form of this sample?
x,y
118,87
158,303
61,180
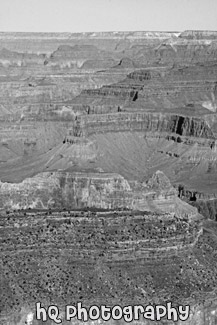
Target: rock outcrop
x,y
146,122
59,190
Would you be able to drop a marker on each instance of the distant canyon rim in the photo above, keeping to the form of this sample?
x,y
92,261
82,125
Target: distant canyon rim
x,y
108,172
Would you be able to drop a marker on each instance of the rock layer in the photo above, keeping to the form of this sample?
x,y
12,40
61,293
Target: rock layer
x,y
91,127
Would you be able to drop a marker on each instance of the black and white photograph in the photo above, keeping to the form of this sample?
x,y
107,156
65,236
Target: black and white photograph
x,y
108,162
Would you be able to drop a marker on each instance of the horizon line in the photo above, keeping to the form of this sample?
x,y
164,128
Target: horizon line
x,y
110,31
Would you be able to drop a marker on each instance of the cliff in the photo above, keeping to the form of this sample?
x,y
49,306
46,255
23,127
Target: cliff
x,y
97,190
197,34
181,125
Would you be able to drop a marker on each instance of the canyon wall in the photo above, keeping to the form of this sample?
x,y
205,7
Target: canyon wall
x,y
105,139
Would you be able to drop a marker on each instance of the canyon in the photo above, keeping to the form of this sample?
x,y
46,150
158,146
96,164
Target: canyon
x,y
108,160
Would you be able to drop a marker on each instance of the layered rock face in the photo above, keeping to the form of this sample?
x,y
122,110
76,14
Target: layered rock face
x,y
105,139
60,190
146,122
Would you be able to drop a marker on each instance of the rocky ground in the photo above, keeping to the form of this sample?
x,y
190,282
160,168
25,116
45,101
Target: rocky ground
x,y
108,184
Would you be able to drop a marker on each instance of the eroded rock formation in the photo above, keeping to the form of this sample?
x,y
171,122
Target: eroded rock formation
x,y
105,139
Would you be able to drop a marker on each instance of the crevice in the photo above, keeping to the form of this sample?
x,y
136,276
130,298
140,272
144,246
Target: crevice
x,y
135,97
179,127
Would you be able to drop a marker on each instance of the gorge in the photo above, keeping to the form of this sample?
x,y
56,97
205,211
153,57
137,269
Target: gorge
x,y
108,160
